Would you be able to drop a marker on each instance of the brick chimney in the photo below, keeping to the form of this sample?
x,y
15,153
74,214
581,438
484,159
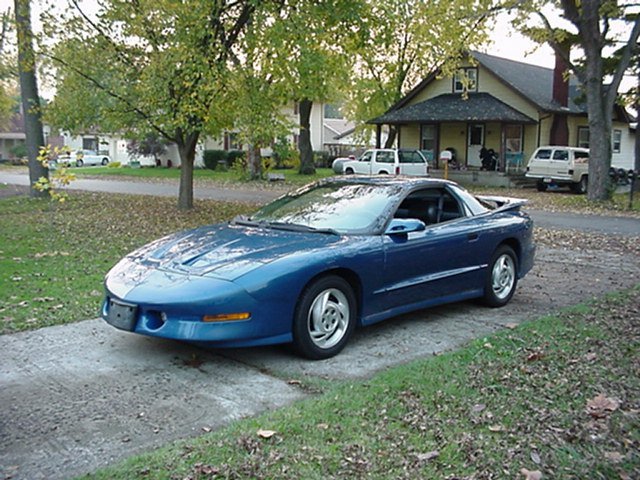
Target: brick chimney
x,y
559,134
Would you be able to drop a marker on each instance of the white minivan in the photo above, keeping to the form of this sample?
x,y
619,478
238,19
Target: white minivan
x,y
560,166
388,161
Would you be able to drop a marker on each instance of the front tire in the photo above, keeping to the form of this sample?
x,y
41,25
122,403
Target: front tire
x,y
502,277
349,171
79,163
105,161
325,318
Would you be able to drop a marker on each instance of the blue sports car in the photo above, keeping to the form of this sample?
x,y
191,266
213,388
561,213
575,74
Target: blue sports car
x,y
310,266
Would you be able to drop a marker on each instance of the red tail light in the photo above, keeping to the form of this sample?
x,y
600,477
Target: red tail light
x,y
398,170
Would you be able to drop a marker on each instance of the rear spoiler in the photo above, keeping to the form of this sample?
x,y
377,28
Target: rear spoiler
x,y
503,204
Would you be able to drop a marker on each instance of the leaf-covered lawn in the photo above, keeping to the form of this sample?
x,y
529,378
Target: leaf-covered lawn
x,y
556,398
53,257
292,177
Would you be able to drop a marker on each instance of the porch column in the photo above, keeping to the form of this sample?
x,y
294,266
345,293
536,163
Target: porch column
x,y
378,135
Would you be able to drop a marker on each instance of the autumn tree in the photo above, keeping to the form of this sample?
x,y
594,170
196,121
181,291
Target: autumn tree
x,y
402,41
148,65
30,98
313,57
594,30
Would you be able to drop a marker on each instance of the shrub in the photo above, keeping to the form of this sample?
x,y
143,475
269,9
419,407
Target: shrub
x,y
233,155
321,159
114,165
213,158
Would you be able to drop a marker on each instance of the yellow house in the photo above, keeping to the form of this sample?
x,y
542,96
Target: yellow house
x,y
507,106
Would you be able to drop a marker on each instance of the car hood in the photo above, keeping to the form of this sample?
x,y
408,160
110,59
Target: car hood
x,y
223,251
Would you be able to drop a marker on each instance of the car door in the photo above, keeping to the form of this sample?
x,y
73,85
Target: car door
x,y
559,163
412,163
384,162
442,261
363,166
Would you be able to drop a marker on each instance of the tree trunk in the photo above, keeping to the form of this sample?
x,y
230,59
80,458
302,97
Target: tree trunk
x,y
187,150
636,166
391,138
306,151
30,98
254,160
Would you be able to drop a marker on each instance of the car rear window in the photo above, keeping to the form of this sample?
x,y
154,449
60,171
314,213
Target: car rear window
x,y
543,154
561,155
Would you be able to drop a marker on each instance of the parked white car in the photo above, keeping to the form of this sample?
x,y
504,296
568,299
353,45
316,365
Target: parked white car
x,y
80,158
387,161
560,166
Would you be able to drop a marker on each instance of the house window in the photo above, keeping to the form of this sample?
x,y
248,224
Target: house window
x,y
332,111
583,137
232,142
513,138
616,140
428,144
466,80
90,143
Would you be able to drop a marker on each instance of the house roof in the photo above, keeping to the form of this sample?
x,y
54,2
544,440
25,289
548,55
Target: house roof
x,y
453,107
532,82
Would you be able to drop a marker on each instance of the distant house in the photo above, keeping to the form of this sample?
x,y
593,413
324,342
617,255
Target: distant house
x,y
12,137
504,105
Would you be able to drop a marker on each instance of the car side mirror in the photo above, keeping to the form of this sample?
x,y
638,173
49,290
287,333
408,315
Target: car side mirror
x,y
402,226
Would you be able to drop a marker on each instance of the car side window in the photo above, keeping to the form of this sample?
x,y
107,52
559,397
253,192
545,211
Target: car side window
x,y
561,155
431,205
543,154
581,157
385,157
366,157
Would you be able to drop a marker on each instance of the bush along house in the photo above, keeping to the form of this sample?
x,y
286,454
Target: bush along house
x,y
498,105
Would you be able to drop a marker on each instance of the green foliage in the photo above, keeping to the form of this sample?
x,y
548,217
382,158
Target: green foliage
x,y
284,153
401,42
114,165
213,158
19,150
321,159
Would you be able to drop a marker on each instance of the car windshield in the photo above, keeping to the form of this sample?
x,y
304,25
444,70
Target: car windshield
x,y
340,207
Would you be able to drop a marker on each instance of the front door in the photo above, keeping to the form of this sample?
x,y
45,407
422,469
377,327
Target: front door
x,y
475,142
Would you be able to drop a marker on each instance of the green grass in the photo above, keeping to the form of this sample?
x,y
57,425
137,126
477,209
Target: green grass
x,y
291,176
516,400
53,257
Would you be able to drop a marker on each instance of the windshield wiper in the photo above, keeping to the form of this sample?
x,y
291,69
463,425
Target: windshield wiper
x,y
290,227
296,227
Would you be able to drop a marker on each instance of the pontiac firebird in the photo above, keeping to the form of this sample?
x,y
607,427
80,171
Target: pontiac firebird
x,y
309,267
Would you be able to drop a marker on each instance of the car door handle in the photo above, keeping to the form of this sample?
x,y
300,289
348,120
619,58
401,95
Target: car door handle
x,y
472,237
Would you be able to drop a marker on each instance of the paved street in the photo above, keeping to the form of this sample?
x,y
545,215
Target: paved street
x,y
572,221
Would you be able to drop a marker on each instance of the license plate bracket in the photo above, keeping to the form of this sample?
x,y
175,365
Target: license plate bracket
x,y
122,315
547,180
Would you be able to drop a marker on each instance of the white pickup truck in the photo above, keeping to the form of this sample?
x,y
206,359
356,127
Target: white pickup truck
x,y
388,161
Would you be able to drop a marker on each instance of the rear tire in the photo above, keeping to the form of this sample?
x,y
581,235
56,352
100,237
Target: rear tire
x,y
79,163
541,186
349,171
105,161
502,277
325,318
582,186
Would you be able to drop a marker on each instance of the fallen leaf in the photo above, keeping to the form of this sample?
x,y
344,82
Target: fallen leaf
x,y
539,355
531,475
294,382
615,457
477,408
206,429
425,457
511,326
600,406
590,357
496,428
323,426
535,457
266,433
